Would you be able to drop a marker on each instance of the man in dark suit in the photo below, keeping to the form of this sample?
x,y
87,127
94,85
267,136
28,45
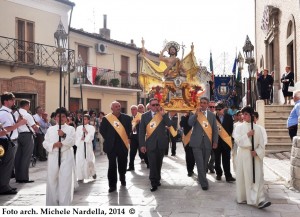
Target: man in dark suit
x,y
153,139
189,156
116,129
173,139
134,139
204,137
224,143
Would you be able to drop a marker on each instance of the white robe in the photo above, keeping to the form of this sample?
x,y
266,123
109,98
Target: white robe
x,y
85,167
60,180
246,190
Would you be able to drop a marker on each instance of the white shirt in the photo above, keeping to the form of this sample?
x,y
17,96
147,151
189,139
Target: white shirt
x,y
28,117
7,120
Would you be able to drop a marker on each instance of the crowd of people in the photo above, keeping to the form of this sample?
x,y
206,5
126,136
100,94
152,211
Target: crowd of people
x,y
212,136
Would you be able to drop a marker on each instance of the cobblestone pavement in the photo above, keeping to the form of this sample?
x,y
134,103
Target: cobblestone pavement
x,y
179,194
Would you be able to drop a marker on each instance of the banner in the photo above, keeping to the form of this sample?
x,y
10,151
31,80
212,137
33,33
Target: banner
x,y
223,87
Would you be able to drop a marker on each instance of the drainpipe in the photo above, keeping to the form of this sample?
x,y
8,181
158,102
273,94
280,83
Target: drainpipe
x,y
137,74
69,76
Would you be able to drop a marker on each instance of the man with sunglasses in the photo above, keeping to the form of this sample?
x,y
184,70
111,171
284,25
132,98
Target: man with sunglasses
x,y
211,163
153,139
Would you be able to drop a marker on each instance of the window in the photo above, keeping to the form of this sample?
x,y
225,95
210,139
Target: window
x,y
124,70
25,44
83,51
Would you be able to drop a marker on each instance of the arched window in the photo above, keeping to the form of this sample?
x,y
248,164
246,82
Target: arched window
x,y
290,29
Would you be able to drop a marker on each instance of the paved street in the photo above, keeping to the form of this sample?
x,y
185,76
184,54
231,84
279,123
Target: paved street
x,y
179,194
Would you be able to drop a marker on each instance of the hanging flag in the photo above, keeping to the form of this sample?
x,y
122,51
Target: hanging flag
x,y
211,67
91,74
234,67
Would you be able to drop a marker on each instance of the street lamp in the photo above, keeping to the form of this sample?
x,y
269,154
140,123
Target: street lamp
x,y
61,38
248,50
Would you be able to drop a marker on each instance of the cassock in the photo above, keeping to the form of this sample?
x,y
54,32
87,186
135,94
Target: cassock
x,y
60,180
85,165
246,190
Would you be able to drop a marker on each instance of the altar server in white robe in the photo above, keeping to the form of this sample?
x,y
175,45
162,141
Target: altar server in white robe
x,y
60,179
247,191
85,158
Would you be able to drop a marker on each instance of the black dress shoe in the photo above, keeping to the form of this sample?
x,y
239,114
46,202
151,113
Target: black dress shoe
x,y
190,174
153,188
211,171
11,191
230,179
218,178
204,188
112,189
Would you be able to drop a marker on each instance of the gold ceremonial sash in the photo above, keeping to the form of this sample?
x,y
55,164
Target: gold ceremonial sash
x,y
152,125
117,125
205,125
172,131
224,135
186,138
135,119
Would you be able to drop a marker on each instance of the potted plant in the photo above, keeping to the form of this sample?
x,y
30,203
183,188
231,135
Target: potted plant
x,y
114,82
103,82
97,79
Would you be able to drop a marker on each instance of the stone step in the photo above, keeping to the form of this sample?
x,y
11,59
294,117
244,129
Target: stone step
x,y
280,114
277,132
278,147
273,125
276,108
279,139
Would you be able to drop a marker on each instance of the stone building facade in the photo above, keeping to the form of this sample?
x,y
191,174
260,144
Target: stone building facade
x,y
277,39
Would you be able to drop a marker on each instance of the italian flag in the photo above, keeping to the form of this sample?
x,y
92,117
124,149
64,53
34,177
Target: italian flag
x,y
91,73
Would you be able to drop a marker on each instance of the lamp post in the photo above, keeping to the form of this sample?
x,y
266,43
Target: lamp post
x,y
79,67
248,50
61,38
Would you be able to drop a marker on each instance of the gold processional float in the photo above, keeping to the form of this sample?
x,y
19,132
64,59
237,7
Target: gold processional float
x,y
174,82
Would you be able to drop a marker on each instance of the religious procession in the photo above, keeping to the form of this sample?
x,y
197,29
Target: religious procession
x,y
216,139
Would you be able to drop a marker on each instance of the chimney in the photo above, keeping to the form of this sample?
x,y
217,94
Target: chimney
x,y
132,43
104,32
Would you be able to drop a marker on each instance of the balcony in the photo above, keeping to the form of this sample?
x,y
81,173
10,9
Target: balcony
x,y
26,54
109,78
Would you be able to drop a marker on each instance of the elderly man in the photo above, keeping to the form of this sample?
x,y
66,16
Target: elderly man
x,y
116,129
204,137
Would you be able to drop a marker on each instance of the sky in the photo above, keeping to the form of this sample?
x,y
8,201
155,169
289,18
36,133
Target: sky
x,y
216,26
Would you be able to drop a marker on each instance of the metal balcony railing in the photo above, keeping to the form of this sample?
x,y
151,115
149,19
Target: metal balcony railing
x,y
107,77
32,55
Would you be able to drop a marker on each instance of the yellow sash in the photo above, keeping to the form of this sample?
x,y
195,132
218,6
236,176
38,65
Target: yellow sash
x,y
224,135
186,138
205,125
135,119
117,125
172,131
152,125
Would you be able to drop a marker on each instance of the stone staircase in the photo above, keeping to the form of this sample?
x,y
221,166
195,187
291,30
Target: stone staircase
x,y
275,124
